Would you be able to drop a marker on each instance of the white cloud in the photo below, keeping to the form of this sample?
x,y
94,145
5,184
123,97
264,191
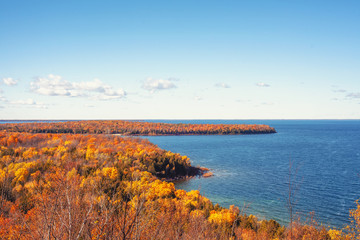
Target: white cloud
x,y
104,91
153,85
96,85
110,94
28,102
222,85
261,84
197,98
10,81
54,85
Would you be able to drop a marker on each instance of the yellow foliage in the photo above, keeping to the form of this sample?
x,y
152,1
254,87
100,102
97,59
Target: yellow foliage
x,y
160,189
222,217
29,153
21,174
2,175
197,213
354,228
21,170
65,156
110,172
191,199
71,174
90,181
335,234
90,152
180,193
61,149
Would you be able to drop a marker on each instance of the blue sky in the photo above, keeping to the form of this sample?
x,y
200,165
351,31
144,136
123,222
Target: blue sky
x,y
179,59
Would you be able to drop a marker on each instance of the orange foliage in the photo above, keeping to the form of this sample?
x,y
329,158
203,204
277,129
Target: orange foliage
x,y
135,128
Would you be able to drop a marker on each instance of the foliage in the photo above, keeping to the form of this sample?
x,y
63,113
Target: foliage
x,y
135,128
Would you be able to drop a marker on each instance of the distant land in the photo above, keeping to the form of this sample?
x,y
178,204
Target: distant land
x,y
135,128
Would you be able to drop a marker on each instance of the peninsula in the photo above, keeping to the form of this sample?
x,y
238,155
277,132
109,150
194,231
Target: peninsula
x,y
135,128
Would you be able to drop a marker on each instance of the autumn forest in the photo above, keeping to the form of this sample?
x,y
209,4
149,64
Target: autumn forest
x,y
96,180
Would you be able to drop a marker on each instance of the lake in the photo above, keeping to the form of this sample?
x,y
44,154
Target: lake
x,y
252,171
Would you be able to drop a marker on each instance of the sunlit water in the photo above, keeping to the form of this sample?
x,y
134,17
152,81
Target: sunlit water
x,y
253,170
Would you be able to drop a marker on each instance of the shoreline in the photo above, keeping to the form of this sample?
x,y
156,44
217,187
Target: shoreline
x,y
199,172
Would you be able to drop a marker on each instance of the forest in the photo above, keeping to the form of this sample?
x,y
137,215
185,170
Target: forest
x,y
103,186
135,128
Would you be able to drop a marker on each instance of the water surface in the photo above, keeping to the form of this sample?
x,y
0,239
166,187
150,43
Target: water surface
x,y
253,170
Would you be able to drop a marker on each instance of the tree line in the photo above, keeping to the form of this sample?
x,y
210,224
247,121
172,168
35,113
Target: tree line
x,y
135,128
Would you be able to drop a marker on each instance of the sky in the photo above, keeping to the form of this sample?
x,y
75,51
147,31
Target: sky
x,y
180,59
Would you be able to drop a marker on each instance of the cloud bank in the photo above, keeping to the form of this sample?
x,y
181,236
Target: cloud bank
x,y
54,85
28,102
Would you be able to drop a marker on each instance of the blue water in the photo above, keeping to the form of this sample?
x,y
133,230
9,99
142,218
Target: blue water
x,y
252,171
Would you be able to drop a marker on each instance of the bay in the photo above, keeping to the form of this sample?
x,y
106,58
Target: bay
x,y
252,171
